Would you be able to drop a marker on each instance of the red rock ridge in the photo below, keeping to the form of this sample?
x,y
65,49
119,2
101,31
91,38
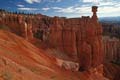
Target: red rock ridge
x,y
79,38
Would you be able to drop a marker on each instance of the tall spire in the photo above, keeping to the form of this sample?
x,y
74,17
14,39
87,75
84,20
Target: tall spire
x,y
94,10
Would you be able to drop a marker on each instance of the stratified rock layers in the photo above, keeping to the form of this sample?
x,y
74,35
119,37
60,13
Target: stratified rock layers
x,y
112,49
79,38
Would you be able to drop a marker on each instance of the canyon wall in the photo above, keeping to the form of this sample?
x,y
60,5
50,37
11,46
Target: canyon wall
x,y
79,38
112,49
111,41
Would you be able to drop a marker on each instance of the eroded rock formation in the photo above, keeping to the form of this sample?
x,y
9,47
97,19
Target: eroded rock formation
x,y
79,38
112,49
21,60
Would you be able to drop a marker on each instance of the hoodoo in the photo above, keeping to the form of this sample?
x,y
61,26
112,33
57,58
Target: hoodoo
x,y
69,44
78,38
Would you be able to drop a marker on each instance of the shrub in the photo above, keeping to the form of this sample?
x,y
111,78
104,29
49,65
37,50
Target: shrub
x,y
7,76
3,27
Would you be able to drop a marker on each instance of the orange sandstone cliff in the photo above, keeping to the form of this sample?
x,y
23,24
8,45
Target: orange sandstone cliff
x,y
79,39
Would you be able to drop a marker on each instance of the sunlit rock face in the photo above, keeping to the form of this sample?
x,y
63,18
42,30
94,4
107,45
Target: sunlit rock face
x,y
79,38
18,24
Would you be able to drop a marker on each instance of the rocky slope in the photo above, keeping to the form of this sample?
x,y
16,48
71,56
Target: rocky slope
x,y
20,60
112,71
63,46
78,38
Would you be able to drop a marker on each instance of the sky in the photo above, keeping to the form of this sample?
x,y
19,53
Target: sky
x,y
63,8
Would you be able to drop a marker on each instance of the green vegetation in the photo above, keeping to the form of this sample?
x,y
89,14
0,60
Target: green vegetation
x,y
3,27
117,63
39,34
111,29
53,77
7,76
